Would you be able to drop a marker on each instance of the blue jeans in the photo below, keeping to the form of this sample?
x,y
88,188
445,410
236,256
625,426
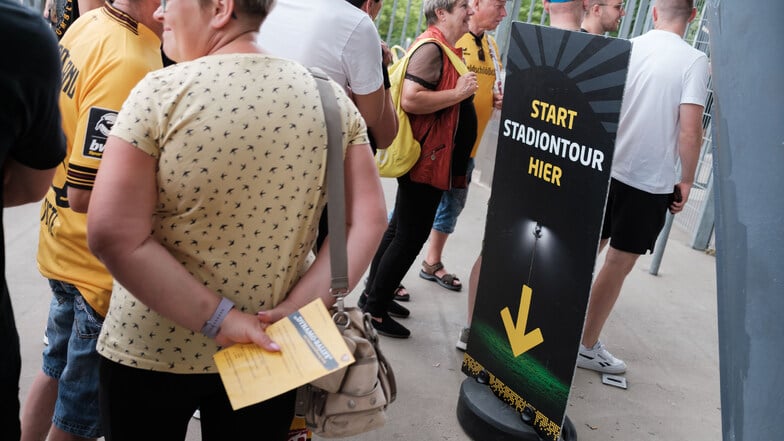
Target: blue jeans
x,y
70,358
452,203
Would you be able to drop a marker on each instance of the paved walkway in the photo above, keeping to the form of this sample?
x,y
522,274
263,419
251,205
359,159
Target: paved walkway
x,y
663,326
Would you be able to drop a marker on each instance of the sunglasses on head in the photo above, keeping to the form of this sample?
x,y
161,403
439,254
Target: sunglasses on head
x,y
480,53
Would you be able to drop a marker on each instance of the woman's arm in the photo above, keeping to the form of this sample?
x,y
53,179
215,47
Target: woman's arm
x,y
366,222
119,224
425,64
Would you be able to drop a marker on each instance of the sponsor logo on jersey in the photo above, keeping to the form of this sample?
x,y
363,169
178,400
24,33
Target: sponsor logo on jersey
x,y
99,125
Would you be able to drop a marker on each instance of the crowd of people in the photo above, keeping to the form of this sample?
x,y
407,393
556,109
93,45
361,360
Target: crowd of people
x,y
184,207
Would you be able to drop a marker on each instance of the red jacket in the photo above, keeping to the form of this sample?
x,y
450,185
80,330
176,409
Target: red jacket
x,y
436,131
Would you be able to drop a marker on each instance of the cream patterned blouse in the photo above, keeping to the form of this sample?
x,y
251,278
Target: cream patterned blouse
x,y
241,147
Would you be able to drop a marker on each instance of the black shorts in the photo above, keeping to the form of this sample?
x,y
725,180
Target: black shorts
x,y
633,218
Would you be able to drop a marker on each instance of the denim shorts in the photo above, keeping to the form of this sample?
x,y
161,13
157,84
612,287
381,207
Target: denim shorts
x,y
452,203
72,328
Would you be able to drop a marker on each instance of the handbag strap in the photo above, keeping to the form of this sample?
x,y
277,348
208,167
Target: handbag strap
x,y
336,214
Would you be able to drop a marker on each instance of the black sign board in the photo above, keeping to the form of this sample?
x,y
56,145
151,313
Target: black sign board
x,y
562,100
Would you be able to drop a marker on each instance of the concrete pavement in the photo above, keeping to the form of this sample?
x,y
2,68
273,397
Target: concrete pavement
x,y
663,326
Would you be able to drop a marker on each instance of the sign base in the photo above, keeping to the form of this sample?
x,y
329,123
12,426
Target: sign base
x,y
483,416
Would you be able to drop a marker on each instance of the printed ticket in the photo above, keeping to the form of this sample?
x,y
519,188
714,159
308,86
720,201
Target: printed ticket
x,y
311,347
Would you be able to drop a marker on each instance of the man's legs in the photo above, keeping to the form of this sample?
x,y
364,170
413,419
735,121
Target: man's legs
x,y
604,293
39,407
473,285
42,396
63,399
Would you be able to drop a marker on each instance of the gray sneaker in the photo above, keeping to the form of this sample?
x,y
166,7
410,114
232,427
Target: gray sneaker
x,y
462,341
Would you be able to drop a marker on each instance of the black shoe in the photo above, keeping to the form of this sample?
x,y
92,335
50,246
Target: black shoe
x,y
395,308
390,328
398,310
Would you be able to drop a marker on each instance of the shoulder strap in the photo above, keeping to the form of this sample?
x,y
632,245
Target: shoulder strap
x,y
456,61
493,56
336,215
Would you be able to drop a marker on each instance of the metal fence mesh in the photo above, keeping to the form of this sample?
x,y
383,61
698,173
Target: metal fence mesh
x,y
401,21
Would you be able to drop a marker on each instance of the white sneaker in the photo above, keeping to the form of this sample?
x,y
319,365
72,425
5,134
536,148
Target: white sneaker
x,y
599,359
197,414
462,341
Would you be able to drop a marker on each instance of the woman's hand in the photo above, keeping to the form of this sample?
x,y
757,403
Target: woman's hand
x,y
271,316
467,85
239,327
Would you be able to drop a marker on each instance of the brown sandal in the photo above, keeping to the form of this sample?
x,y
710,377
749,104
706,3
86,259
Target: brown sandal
x,y
428,272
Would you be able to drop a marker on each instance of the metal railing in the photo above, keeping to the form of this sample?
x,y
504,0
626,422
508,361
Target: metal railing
x,y
402,20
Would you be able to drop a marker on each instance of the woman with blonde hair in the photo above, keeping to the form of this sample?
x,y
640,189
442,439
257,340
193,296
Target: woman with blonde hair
x,y
204,210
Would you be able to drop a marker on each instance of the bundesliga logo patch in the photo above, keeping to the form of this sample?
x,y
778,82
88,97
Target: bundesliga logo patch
x,y
99,125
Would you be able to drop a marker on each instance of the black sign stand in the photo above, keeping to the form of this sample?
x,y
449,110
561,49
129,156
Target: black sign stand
x,y
563,96
483,416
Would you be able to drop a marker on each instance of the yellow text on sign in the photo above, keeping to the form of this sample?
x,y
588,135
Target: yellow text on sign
x,y
521,341
556,115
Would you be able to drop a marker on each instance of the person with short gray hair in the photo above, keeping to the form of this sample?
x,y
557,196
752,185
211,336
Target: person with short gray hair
x,y
438,101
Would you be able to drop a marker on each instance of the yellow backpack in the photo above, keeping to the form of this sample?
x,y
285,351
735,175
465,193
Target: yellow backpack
x,y
397,159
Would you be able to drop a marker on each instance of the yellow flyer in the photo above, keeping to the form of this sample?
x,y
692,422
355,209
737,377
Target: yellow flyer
x,y
311,347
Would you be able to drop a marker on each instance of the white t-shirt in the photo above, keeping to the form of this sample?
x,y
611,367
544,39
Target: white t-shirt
x,y
664,72
331,34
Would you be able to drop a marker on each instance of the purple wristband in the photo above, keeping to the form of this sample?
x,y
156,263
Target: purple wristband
x,y
212,326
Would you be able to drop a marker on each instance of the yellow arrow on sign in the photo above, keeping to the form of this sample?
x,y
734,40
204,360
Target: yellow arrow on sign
x,y
518,338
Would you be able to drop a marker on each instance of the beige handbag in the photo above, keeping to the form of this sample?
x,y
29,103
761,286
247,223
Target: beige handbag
x,y
354,399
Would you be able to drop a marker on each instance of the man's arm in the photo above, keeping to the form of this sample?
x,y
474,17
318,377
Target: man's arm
x,y
386,129
384,132
371,106
689,145
78,199
23,185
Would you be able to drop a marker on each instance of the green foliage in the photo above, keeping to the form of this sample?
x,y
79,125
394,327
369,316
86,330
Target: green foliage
x,y
525,11
406,13
407,20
